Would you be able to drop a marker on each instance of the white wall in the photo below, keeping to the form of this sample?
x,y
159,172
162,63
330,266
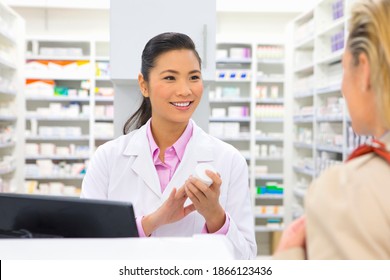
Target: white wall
x,y
258,27
66,23
91,24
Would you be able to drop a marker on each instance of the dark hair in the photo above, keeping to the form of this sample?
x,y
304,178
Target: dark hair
x,y
156,46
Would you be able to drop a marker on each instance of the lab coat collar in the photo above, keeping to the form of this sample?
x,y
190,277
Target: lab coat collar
x,y
199,149
139,141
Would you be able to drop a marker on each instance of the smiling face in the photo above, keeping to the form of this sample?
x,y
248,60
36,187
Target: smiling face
x,y
175,87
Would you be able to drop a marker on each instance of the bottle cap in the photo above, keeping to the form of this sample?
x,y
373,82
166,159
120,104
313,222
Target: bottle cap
x,y
200,173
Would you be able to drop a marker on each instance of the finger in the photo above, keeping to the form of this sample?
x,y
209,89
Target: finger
x,y
191,195
172,194
188,209
181,192
217,181
199,184
197,191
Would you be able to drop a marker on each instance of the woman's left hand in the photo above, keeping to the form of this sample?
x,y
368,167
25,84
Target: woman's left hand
x,y
206,200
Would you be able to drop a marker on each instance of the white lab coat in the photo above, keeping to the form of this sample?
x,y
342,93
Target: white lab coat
x,y
123,170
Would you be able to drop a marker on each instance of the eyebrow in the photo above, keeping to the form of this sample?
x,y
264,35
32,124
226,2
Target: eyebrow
x,y
176,72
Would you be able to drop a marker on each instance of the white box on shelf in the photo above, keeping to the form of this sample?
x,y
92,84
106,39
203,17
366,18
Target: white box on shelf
x,y
231,129
218,112
216,129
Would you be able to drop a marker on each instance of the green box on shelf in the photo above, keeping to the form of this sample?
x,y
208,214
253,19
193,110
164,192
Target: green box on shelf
x,y
61,91
269,189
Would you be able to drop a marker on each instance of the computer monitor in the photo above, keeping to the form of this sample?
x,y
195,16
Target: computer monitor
x,y
66,216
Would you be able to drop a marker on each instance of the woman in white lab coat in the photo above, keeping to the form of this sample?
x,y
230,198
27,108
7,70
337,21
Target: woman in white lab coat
x,y
151,166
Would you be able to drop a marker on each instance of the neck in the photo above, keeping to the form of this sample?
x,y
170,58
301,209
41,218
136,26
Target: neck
x,y
166,134
380,132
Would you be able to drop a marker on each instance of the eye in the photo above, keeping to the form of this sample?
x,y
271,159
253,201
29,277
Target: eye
x,y
169,78
195,77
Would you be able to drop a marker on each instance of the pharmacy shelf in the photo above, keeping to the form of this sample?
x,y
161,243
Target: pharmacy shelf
x,y
37,157
270,61
104,99
233,139
329,89
301,145
7,145
299,192
266,80
268,139
86,81
51,178
305,43
7,64
58,78
60,58
7,92
336,118
270,120
304,171
304,94
255,92
104,119
103,139
232,81
268,216
7,37
332,58
229,119
6,171
269,196
319,84
58,138
332,149
231,100
268,229
269,158
7,119
270,101
58,119
12,36
58,98
234,61
266,177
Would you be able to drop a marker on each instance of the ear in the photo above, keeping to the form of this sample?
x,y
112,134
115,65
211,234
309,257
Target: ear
x,y
143,85
365,72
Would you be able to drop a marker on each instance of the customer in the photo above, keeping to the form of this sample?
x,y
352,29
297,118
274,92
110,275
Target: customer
x,y
151,166
348,207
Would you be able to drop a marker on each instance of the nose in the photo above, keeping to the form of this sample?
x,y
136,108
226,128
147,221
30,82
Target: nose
x,y
184,89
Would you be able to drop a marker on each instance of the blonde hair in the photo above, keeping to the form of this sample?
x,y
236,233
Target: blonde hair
x,y
369,33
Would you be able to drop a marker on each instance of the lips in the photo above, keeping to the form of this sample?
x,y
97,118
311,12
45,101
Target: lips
x,y
181,104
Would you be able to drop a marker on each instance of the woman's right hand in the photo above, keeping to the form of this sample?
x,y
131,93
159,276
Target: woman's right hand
x,y
294,235
172,210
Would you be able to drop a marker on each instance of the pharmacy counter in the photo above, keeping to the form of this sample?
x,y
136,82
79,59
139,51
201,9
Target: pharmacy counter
x,y
199,247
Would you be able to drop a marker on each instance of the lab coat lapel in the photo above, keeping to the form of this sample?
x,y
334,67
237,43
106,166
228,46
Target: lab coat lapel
x,y
199,149
143,165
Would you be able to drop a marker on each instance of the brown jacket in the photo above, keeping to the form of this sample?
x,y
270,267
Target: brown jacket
x,y
348,211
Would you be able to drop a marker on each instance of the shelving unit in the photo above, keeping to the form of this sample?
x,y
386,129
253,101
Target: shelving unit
x,y
69,105
317,120
247,111
11,99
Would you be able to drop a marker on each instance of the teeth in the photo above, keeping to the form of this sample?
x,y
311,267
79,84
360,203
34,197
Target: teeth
x,y
183,104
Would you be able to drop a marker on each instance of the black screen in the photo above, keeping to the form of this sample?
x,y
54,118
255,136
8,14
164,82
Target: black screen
x,y
66,216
